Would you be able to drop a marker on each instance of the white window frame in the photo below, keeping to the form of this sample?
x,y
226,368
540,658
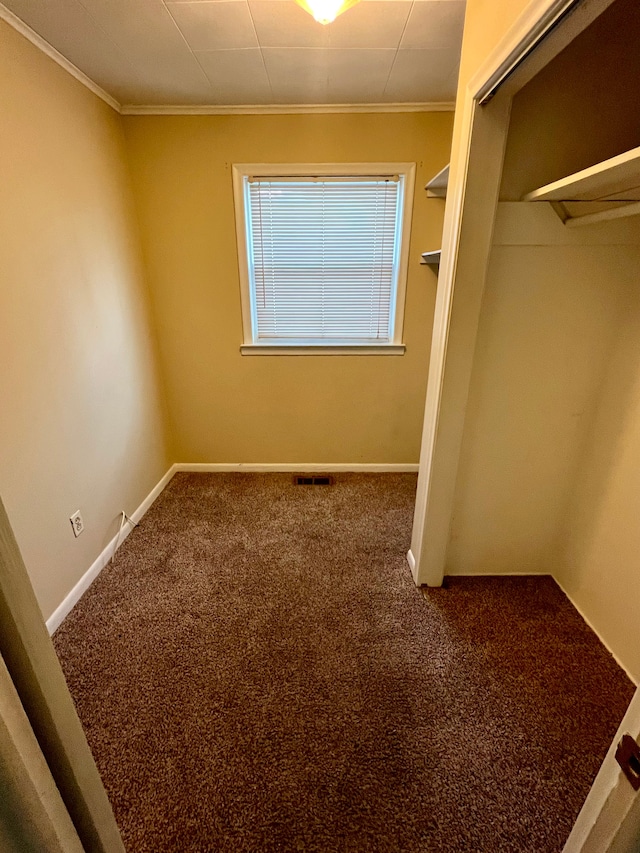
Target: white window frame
x,y
241,171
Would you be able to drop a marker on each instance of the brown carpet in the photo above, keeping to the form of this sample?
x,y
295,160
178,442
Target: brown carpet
x,y
257,672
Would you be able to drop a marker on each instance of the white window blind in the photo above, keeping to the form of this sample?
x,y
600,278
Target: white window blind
x,y
323,258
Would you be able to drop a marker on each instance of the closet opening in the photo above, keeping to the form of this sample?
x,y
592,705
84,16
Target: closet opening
x,y
532,446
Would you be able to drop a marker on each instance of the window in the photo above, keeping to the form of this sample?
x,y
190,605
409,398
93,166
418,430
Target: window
x,y
323,256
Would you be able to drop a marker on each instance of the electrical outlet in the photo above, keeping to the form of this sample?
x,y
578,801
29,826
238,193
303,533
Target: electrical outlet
x,y
77,523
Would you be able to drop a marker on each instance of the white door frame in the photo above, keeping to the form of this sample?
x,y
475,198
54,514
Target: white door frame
x,y
33,815
609,819
35,673
479,138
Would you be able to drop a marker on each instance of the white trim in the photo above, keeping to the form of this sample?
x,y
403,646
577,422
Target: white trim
x,y
280,109
442,429
437,186
242,246
19,26
533,37
298,467
356,349
596,632
441,446
499,575
611,807
595,183
243,171
523,37
62,611
339,169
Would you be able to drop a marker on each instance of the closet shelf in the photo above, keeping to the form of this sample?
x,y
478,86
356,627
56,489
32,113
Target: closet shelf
x,y
608,190
437,186
431,259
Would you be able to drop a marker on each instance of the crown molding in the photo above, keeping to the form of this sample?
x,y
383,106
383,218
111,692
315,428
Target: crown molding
x,y
279,109
19,26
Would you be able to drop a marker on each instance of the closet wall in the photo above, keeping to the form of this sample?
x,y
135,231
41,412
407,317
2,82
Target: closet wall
x,y
551,310
548,480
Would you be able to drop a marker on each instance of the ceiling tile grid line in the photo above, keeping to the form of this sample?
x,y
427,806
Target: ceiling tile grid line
x,y
211,25
145,31
186,42
404,29
96,23
264,64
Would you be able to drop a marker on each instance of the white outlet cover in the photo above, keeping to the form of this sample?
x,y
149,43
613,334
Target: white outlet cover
x,y
77,524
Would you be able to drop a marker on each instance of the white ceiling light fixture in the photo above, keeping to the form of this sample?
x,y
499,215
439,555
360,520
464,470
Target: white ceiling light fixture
x,y
326,11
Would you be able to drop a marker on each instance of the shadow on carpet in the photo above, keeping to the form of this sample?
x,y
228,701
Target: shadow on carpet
x,y
257,672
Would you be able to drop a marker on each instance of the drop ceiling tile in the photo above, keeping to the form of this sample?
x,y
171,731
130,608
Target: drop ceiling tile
x,y
149,38
148,91
215,25
85,44
356,92
121,73
356,72
317,75
377,24
423,76
236,76
141,28
281,24
289,65
435,24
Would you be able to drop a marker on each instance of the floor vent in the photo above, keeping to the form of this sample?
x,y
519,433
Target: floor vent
x,y
312,480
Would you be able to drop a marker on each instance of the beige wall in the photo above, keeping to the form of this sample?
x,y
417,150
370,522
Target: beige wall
x,y
229,408
599,544
485,25
80,421
550,317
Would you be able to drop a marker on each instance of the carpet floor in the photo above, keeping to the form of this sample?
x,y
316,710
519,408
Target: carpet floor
x,y
257,672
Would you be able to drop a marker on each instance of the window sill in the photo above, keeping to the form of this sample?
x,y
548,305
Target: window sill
x,y
344,349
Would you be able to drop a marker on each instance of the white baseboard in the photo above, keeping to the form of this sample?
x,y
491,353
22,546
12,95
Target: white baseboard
x,y
62,611
499,575
299,467
597,633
